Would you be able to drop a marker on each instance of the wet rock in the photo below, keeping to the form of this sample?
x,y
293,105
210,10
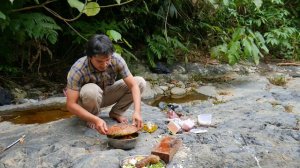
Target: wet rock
x,y
160,68
252,129
182,77
158,90
178,91
179,69
5,97
207,90
150,77
148,93
34,93
180,84
164,88
162,105
19,94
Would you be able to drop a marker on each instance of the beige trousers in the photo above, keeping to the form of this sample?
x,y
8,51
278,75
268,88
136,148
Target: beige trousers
x,y
92,97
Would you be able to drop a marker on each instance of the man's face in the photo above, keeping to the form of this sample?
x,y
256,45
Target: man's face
x,y
101,62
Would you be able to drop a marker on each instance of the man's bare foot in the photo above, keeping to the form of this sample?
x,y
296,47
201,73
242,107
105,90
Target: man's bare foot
x,y
118,118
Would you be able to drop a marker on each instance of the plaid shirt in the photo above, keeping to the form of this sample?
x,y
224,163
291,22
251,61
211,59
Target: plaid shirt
x,y
83,72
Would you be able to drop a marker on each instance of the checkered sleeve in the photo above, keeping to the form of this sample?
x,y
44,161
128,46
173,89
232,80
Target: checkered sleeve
x,y
74,79
122,67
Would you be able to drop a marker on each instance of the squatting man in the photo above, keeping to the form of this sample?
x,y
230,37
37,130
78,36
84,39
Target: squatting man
x,y
91,85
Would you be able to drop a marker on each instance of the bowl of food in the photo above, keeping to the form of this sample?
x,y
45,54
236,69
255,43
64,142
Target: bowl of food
x,y
122,136
123,142
142,161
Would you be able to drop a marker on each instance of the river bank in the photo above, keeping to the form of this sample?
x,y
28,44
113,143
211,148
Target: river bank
x,y
256,125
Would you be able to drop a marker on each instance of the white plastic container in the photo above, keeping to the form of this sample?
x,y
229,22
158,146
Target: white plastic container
x,y
204,119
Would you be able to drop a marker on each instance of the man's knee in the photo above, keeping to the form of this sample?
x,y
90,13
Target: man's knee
x,y
141,82
90,91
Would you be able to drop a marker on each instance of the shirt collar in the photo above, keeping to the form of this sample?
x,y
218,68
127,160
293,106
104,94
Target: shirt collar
x,y
91,66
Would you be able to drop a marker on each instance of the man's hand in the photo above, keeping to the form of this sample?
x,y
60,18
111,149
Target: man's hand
x,y
137,120
101,126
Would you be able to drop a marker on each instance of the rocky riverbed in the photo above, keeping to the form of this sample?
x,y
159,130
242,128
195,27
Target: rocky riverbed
x,y
256,124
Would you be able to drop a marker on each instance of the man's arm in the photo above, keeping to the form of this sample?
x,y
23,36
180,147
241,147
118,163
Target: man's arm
x,y
75,108
136,95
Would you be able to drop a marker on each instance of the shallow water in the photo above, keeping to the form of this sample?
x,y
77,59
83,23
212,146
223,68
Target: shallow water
x,y
45,116
35,117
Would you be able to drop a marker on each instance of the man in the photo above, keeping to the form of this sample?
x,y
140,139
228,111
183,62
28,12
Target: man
x,y
92,84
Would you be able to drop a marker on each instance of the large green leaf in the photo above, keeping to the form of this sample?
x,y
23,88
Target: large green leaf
x,y
234,52
114,35
91,9
255,52
238,33
218,51
259,37
2,16
76,4
231,59
118,49
247,47
234,47
261,42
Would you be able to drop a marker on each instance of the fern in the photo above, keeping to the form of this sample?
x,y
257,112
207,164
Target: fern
x,y
35,26
159,48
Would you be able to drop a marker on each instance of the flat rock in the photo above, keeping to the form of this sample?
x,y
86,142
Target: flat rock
x,y
250,131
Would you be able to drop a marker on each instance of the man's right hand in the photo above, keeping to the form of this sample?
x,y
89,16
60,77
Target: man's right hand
x,y
101,126
75,108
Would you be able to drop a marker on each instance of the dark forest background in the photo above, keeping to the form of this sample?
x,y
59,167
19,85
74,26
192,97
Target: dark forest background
x,y
42,38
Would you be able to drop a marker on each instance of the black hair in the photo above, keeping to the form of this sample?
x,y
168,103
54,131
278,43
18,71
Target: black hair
x,y
99,44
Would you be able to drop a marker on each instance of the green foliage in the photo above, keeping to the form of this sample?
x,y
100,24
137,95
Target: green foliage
x,y
2,16
6,69
114,35
232,30
116,38
161,48
94,26
91,9
267,28
286,40
76,4
26,36
113,29
34,26
163,38
243,44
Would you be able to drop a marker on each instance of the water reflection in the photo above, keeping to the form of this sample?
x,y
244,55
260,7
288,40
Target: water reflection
x,y
45,116
35,117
